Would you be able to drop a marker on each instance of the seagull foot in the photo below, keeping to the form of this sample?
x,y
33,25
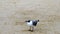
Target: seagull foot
x,y
29,30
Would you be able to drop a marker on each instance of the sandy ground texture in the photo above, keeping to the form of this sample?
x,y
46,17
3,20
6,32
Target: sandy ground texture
x,y
13,14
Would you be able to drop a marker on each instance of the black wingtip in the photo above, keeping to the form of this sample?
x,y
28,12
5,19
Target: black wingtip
x,y
38,20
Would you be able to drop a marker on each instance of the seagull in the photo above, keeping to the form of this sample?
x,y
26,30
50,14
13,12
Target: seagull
x,y
31,24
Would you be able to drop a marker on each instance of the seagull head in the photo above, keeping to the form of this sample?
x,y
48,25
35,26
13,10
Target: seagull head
x,y
27,20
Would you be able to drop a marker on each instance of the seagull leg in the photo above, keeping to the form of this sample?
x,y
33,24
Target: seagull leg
x,y
29,29
32,29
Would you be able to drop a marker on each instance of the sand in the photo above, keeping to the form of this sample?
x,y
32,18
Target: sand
x,y
13,14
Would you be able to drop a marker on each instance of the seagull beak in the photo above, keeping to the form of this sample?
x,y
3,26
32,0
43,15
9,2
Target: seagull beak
x,y
25,21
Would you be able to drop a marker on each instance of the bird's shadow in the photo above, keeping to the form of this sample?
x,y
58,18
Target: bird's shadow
x,y
27,31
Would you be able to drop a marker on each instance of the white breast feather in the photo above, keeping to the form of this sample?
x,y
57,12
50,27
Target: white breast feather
x,y
30,23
